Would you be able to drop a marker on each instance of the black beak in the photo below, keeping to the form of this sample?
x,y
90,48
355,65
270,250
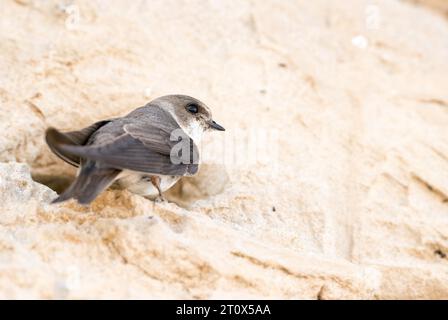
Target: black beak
x,y
216,126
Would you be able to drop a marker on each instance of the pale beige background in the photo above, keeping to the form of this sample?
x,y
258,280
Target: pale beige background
x,y
357,91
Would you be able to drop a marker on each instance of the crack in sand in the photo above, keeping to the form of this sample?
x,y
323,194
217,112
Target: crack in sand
x,y
428,186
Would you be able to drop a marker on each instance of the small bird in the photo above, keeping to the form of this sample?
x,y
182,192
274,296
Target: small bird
x,y
146,151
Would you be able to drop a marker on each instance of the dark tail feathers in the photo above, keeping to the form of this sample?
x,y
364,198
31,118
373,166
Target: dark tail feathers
x,y
89,183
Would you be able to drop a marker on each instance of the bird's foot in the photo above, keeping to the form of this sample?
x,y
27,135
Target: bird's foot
x,y
160,199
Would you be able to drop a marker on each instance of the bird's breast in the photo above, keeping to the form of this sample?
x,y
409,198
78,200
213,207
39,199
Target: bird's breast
x,y
194,130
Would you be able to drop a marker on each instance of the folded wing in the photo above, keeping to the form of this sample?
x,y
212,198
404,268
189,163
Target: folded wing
x,y
55,139
144,144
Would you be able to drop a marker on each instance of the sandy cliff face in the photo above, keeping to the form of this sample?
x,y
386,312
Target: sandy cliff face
x,y
347,196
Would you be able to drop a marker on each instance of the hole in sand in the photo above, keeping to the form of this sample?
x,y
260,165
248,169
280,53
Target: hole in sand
x,y
440,253
56,183
211,180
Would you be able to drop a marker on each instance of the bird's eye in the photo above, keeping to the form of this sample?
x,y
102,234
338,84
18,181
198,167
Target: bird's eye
x,y
193,108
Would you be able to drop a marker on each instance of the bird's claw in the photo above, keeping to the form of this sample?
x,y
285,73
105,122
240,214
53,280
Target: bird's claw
x,y
160,199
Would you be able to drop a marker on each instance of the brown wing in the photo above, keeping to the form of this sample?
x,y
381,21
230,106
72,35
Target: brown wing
x,y
79,137
144,145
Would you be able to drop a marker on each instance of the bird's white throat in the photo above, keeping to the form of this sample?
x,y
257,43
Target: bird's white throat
x,y
195,130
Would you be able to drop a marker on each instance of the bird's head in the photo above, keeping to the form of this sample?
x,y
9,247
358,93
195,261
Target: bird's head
x,y
192,115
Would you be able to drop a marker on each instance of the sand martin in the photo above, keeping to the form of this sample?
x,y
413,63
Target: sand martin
x,y
146,151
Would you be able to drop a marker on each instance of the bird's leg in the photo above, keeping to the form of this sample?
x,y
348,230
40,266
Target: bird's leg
x,y
155,180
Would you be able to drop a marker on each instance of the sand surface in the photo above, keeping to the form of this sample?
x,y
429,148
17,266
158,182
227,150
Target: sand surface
x,y
330,182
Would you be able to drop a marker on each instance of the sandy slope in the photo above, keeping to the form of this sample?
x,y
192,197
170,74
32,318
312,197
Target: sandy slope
x,y
347,198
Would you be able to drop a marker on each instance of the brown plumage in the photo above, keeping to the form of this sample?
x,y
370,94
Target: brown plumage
x,y
134,148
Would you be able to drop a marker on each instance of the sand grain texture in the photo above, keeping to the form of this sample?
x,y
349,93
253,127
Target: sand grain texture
x,y
352,202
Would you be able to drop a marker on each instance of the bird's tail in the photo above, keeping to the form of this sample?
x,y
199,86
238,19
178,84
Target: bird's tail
x,y
89,183
91,179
